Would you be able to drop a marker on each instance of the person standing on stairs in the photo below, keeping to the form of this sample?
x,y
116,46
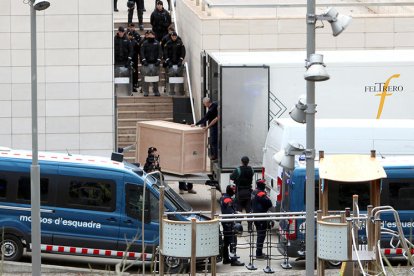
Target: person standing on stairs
x,y
160,21
150,59
174,54
140,11
123,54
116,6
134,64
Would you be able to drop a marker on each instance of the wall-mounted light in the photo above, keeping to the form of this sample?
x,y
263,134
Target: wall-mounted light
x,y
339,22
40,5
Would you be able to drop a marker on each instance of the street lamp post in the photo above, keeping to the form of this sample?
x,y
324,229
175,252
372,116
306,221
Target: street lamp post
x,y
35,168
310,144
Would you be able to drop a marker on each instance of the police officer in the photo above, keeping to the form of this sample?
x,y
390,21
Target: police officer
x,y
229,237
140,11
160,20
261,203
243,178
174,54
150,59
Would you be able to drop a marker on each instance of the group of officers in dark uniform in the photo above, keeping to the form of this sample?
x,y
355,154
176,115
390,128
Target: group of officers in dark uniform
x,y
238,197
161,45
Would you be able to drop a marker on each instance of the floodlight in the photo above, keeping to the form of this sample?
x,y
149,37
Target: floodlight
x,y
339,22
286,157
40,5
316,69
283,160
297,113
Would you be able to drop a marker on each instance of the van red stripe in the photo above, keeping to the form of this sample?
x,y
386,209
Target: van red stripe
x,y
72,250
399,251
95,252
108,253
49,248
84,251
387,251
119,254
131,254
61,249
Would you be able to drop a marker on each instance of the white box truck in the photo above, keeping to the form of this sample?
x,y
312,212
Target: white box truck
x,y
336,136
253,88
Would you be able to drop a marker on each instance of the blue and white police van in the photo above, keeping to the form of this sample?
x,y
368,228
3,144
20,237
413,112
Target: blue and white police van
x,y
89,205
397,190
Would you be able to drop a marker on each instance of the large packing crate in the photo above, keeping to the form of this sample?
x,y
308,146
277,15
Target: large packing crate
x,y
182,148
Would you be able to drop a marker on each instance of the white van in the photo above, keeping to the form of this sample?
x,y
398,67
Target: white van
x,y
335,136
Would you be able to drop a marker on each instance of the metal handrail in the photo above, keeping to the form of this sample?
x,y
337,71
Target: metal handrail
x,y
172,3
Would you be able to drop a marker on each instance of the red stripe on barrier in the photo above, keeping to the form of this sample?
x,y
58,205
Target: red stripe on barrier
x,y
61,249
119,254
91,160
108,253
84,251
54,157
95,252
399,251
131,254
49,248
66,158
387,251
72,250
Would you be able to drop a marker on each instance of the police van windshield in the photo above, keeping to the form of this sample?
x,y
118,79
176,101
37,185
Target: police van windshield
x,y
172,198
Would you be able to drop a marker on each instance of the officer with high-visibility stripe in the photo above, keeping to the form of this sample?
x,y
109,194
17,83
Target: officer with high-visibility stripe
x,y
261,203
229,236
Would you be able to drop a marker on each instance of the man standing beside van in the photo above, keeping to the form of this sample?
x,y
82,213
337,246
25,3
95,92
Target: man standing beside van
x,y
243,178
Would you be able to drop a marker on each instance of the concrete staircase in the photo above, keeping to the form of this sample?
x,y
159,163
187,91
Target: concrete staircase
x,y
131,110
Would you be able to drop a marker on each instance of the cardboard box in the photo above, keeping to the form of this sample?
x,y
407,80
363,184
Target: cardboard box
x,y
182,148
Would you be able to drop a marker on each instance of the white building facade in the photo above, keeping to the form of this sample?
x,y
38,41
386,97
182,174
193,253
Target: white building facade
x,y
75,76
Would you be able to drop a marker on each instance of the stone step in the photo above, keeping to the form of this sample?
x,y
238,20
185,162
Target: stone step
x,y
154,107
133,122
139,114
139,98
126,138
131,130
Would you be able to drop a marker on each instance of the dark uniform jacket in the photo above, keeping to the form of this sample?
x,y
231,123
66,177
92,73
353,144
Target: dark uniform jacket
x,y
261,203
211,114
122,49
174,52
160,21
150,51
243,178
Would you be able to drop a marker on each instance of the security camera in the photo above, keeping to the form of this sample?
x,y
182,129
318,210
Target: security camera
x,y
40,5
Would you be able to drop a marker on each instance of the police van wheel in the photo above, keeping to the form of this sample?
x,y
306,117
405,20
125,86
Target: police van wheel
x,y
174,265
11,248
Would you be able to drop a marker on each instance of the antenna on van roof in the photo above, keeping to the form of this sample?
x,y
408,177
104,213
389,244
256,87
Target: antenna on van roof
x,y
68,152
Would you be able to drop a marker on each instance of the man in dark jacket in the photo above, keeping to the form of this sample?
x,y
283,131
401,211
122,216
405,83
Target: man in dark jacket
x,y
261,203
150,60
243,178
140,11
123,52
160,21
134,46
211,117
174,54
229,236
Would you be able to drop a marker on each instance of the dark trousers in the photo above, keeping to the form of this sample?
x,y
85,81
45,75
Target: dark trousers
x,y
261,227
185,186
213,141
140,12
229,240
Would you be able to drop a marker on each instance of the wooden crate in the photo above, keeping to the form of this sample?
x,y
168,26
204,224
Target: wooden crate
x,y
182,148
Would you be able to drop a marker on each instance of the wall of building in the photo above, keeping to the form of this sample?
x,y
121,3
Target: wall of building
x,y
75,88
284,29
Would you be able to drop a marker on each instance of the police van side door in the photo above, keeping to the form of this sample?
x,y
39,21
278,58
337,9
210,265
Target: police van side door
x,y
87,214
133,223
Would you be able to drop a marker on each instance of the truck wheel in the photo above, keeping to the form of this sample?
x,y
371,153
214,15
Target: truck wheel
x,y
174,265
11,248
